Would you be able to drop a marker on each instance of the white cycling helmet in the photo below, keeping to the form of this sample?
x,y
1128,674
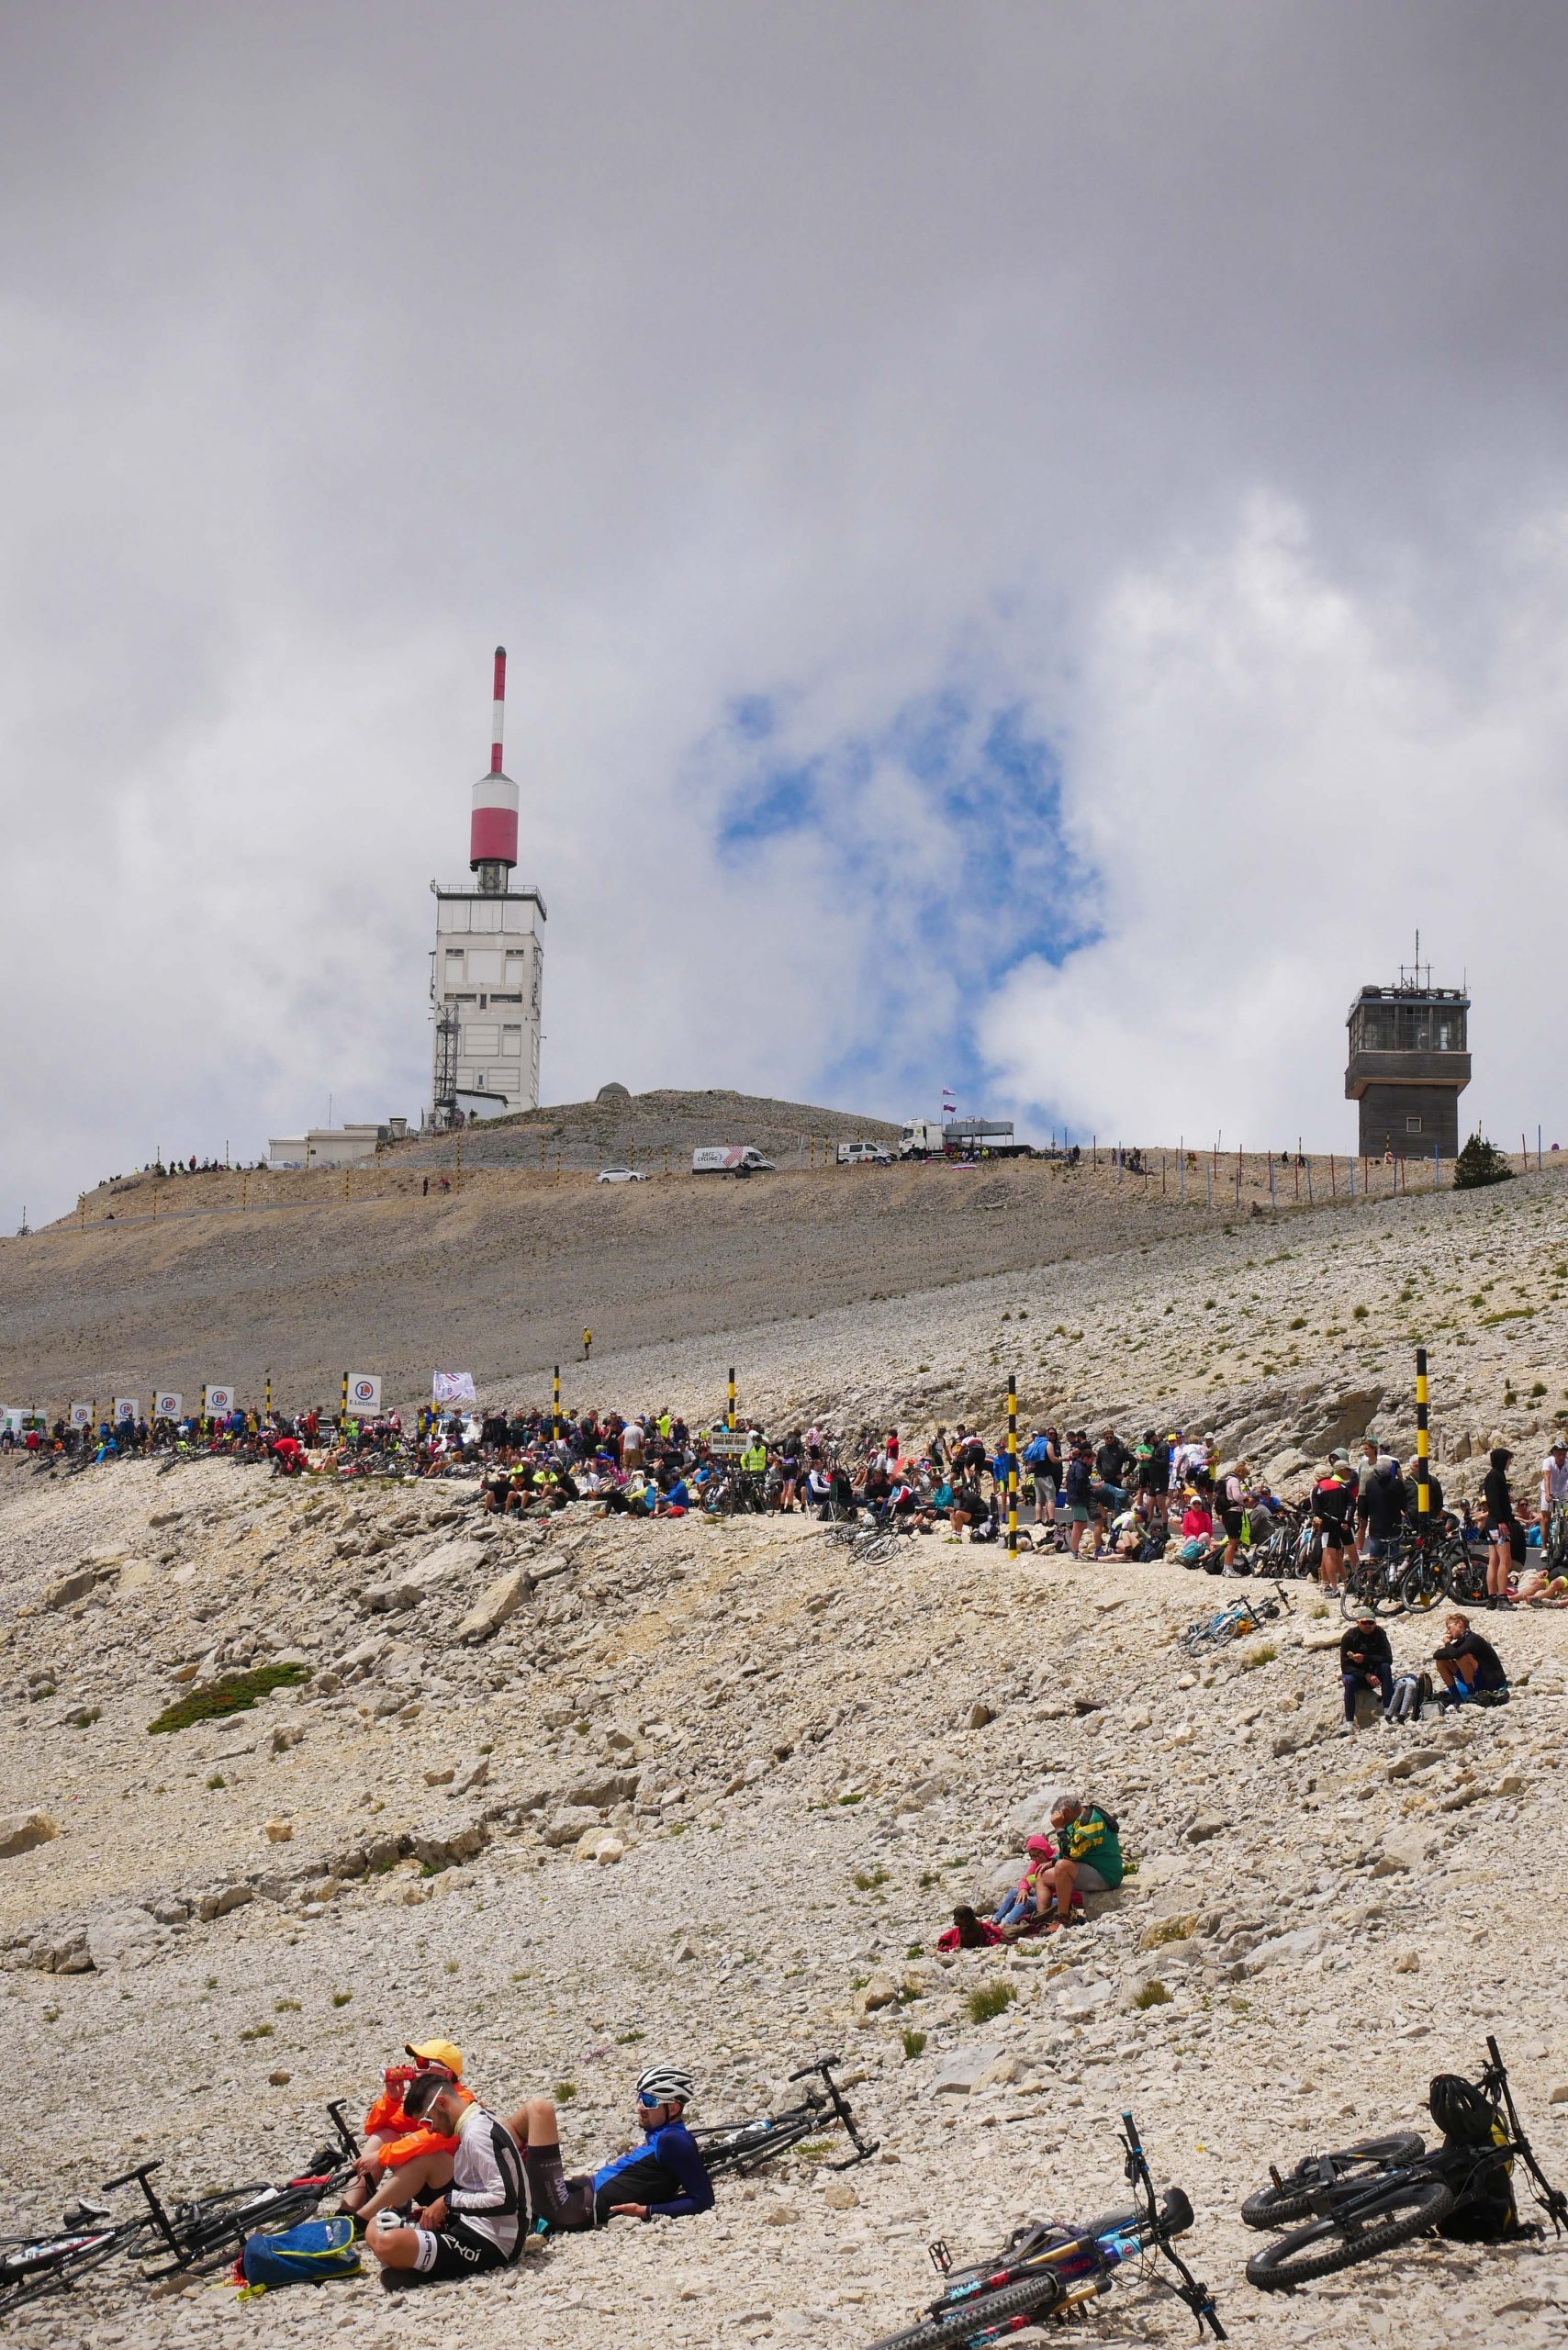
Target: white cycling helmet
x,y
668,2084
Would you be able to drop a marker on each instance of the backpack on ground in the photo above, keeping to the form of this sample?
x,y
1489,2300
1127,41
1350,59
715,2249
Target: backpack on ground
x,y
1475,2162
1411,1692
312,2253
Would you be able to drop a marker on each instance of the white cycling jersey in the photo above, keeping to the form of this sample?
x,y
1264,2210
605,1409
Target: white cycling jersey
x,y
1554,1478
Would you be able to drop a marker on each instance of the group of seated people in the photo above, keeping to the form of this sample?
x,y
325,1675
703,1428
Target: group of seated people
x,y
1468,1668
1081,1854
446,2188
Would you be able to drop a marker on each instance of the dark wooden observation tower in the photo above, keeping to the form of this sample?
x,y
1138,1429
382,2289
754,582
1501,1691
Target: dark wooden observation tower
x,y
1409,1063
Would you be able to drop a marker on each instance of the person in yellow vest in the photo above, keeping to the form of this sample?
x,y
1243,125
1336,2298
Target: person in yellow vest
x,y
588,1345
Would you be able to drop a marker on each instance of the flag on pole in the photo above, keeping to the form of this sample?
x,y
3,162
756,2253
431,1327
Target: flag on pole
x,y
454,1387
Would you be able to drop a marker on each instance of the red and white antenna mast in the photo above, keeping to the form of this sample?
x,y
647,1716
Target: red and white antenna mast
x,y
492,831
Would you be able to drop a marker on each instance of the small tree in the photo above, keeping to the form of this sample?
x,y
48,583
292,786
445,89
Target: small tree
x,y
1480,1162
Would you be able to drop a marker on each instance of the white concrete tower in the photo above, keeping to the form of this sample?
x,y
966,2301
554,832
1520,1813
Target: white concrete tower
x,y
487,969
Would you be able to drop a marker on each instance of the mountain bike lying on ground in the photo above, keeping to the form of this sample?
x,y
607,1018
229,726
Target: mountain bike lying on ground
x,y
88,2234
741,2147
192,2236
1383,2192
1242,1616
1047,2270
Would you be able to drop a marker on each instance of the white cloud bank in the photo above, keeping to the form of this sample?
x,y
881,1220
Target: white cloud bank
x,y
1281,774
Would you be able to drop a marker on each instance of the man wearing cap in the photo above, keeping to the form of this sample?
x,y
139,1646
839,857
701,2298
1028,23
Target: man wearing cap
x,y
393,2140
1366,1660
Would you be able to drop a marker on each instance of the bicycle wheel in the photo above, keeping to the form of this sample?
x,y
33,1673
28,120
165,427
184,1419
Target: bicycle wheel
x,y
1197,1638
1037,2296
1274,2206
1373,2220
1464,1578
1421,1587
52,2265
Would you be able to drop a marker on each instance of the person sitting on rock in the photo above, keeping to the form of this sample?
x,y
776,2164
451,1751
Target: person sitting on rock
x,y
1029,1900
1089,1855
393,2140
663,2177
1366,1662
1470,1667
480,2211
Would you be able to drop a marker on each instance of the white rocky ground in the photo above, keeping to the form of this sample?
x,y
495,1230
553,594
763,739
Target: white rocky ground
x,y
796,1768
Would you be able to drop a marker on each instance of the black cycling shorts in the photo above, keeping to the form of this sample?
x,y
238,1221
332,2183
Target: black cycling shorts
x,y
452,2251
566,2203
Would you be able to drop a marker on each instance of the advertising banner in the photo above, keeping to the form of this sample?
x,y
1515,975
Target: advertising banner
x,y
217,1400
80,1416
127,1407
168,1407
364,1393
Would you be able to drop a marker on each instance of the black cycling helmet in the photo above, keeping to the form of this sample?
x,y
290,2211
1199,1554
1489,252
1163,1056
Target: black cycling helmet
x,y
1461,2110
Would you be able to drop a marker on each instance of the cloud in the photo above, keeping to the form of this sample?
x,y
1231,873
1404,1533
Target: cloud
x,y
974,500
1280,777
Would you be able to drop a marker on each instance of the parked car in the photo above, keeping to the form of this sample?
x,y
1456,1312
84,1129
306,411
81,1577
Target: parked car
x,y
863,1154
620,1175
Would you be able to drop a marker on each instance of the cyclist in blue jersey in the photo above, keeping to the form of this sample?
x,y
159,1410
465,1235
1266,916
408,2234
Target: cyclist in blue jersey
x,y
664,2177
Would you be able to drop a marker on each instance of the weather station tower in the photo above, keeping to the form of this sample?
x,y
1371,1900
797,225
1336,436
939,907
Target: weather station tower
x,y
1409,1063
486,966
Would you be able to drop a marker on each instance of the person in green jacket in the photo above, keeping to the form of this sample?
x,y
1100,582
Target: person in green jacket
x,y
1091,1855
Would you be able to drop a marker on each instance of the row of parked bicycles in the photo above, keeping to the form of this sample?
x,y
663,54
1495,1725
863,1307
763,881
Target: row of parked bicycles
x,y
1410,1573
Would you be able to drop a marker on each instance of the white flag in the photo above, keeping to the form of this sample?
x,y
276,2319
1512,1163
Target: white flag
x,y
454,1387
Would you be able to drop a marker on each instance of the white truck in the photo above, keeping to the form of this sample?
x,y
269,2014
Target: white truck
x,y
731,1159
863,1154
965,1138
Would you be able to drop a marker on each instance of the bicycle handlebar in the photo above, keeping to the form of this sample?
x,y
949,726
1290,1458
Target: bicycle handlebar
x,y
140,2175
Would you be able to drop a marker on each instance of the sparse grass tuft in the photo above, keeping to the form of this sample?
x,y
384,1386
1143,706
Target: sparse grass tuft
x,y
1151,1994
990,1999
1264,1654
235,1693
867,1880
564,2091
913,2042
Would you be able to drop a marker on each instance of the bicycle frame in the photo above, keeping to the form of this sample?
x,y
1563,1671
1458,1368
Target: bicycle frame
x,y
1086,2264
775,2133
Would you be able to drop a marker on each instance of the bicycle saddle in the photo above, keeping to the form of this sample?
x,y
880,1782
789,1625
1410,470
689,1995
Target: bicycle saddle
x,y
78,2214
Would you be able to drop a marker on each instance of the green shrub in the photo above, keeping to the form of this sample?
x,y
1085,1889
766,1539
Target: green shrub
x,y
235,1693
990,1999
1480,1163
913,2042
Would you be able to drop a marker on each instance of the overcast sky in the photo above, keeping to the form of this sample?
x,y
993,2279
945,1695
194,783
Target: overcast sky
x,y
1032,542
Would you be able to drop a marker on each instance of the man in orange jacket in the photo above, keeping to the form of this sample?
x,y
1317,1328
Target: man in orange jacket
x,y
392,2141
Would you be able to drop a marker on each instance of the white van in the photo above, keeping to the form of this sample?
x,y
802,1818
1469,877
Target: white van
x,y
731,1159
863,1154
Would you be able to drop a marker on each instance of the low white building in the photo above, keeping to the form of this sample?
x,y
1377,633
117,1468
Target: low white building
x,y
333,1146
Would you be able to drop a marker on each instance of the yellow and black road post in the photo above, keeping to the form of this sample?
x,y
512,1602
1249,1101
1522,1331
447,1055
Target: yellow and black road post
x,y
730,1416
269,1395
556,1406
1012,1465
1423,1442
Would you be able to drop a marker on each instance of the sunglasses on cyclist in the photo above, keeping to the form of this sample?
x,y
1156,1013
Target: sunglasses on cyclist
x,y
647,2102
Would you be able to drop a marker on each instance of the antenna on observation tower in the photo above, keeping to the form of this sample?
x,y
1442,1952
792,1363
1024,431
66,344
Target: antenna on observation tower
x,y
492,832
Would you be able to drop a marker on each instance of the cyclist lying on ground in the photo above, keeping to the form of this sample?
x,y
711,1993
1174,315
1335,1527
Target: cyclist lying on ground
x,y
662,2178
